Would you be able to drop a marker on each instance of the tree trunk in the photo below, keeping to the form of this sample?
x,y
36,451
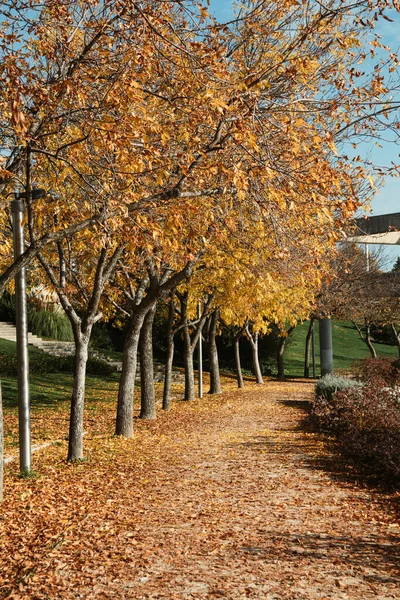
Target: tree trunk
x,y
75,440
279,359
239,375
215,381
124,421
280,353
1,446
147,392
170,356
397,336
256,362
307,349
168,372
188,365
368,340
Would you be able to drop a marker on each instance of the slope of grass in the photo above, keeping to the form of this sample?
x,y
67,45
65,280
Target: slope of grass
x,y
10,349
48,388
347,348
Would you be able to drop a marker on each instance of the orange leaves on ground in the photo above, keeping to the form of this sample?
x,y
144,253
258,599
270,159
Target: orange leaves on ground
x,y
223,497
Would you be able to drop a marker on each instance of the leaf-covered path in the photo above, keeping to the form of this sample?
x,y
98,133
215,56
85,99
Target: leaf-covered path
x,y
223,498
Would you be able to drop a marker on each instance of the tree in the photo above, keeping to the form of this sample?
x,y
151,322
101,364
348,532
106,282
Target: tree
x,y
80,293
271,95
396,266
138,304
359,291
79,99
171,330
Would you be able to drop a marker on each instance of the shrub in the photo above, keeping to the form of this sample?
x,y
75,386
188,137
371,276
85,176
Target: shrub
x,y
42,364
366,422
378,372
38,364
100,337
94,366
269,367
44,323
330,384
7,308
49,324
8,365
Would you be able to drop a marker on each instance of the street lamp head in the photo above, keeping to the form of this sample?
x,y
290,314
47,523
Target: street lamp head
x,y
36,193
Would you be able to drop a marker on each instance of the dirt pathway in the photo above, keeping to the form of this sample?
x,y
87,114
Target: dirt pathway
x,y
224,499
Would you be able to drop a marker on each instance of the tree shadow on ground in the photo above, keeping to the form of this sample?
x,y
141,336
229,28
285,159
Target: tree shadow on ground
x,y
305,450
339,466
304,405
379,559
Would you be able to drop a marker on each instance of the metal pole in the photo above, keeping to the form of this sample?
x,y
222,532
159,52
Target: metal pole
x,y
325,345
314,373
200,354
17,207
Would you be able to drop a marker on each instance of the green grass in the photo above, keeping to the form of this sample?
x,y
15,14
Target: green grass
x,y
10,348
49,389
347,348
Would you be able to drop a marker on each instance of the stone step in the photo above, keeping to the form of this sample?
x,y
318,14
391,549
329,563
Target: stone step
x,y
8,332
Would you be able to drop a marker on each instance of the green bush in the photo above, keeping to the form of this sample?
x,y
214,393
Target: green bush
x,y
42,364
329,384
38,364
8,365
48,324
94,366
101,338
44,323
7,308
97,366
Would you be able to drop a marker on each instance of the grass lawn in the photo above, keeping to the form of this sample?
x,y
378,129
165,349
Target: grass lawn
x,y
50,395
347,348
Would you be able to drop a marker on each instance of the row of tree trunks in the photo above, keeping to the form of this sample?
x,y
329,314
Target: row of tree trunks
x,y
192,330
140,307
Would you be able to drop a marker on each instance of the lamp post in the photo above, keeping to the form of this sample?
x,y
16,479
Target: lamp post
x,y
325,345
24,422
200,355
313,352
